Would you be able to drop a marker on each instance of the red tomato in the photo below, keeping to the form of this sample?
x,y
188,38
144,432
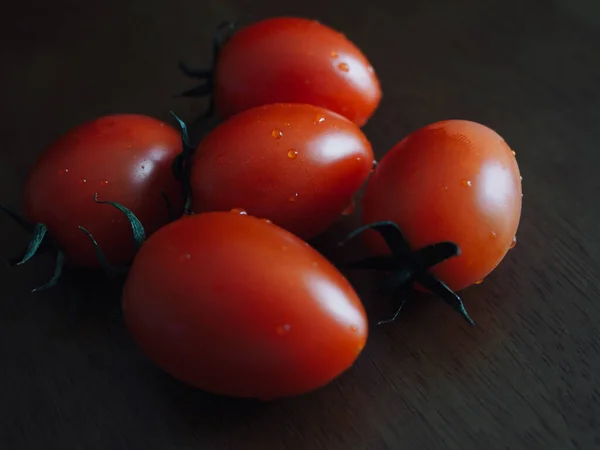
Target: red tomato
x,y
298,165
298,61
237,306
123,158
450,181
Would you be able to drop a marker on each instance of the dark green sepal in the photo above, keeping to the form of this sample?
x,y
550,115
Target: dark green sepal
x,y
139,234
58,270
37,239
408,266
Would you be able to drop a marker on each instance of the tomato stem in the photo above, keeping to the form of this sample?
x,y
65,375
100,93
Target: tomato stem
x,y
408,266
181,164
38,241
139,234
58,270
222,34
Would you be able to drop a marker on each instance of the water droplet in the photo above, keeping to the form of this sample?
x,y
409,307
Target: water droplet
x,y
287,124
292,154
445,188
277,134
466,183
493,234
514,153
320,118
344,67
375,163
293,197
82,181
513,243
370,69
283,329
354,328
103,182
185,257
521,178
479,282
358,158
240,211
350,208
63,172
334,54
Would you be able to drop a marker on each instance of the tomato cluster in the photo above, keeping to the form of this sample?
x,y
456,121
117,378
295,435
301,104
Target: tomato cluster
x,y
223,291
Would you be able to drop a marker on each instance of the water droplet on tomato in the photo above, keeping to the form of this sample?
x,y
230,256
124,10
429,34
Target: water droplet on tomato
x,y
350,208
292,153
354,328
103,182
240,211
293,197
514,153
287,124
82,181
493,235
513,243
277,134
320,118
334,54
445,188
521,178
479,282
283,329
63,172
185,257
466,183
267,221
375,163
370,69
344,67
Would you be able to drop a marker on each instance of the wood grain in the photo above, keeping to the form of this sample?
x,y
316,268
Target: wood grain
x,y
527,377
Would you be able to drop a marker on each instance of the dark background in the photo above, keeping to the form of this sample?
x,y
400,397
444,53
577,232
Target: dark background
x,y
527,377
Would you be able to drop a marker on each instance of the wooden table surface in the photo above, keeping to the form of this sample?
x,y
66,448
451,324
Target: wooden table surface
x,y
526,377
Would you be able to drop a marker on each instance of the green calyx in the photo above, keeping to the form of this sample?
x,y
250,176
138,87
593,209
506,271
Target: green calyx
x,y
138,234
408,267
40,241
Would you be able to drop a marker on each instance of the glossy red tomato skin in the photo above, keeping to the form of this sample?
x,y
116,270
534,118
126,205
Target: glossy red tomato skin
x,y
237,306
454,180
297,165
295,60
124,158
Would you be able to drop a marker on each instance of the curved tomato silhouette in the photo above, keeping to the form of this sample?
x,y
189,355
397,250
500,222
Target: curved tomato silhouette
x,y
297,165
454,181
237,306
294,60
124,158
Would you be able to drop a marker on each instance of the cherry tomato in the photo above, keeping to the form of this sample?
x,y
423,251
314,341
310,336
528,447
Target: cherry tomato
x,y
450,181
298,165
123,158
297,61
237,306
